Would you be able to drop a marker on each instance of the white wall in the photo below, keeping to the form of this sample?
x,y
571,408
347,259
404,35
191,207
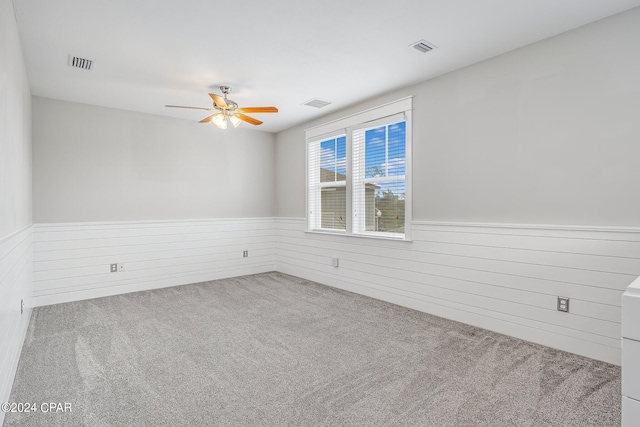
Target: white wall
x,y
546,134
100,164
15,129
15,199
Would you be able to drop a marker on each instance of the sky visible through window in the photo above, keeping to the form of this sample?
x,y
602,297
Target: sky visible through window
x,y
333,157
384,154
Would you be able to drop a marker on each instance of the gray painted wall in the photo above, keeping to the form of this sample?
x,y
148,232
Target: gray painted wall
x,y
546,134
100,164
15,129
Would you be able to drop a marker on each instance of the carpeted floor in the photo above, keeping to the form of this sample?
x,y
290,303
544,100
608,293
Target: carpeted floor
x,y
273,349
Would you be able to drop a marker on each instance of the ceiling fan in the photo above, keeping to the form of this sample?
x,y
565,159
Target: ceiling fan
x,y
229,110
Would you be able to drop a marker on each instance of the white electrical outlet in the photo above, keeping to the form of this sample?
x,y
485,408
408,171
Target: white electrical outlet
x,y
335,262
113,268
563,304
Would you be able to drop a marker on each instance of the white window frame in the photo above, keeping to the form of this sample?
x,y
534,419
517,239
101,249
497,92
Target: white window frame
x,y
399,110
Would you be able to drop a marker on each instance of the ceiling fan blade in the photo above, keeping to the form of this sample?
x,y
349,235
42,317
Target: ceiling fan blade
x,y
207,119
248,119
258,110
218,100
193,108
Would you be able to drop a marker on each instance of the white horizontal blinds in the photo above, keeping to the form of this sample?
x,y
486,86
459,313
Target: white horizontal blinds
x,y
313,182
379,186
327,191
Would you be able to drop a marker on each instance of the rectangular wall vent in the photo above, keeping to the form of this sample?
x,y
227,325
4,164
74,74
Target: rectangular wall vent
x,y
82,63
422,46
317,103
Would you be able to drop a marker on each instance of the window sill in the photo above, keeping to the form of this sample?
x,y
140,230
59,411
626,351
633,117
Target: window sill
x,y
363,236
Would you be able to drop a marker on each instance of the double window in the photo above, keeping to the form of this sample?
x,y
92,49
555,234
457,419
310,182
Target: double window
x,y
358,173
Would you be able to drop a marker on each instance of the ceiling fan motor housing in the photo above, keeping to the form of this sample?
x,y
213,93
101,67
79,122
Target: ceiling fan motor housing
x,y
231,105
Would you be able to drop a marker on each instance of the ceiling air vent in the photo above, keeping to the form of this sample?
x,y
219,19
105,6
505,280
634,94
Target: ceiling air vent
x,y
317,103
422,46
82,63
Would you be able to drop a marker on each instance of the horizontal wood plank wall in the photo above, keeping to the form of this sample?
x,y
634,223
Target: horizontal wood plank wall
x,y
499,277
71,261
16,283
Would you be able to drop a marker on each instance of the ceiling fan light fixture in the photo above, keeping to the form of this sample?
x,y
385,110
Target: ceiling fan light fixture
x,y
217,119
220,121
235,121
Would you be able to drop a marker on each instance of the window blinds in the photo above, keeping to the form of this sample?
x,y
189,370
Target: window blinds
x,y
327,183
378,190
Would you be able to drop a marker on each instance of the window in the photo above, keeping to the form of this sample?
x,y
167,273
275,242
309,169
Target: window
x,y
328,172
358,173
379,179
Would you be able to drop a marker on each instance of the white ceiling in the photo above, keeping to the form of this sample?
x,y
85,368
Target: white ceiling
x,y
149,53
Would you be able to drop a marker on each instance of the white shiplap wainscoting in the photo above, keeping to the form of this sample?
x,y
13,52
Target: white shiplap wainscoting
x,y
16,284
71,260
505,278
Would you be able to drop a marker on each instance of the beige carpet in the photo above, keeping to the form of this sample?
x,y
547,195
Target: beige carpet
x,y
273,349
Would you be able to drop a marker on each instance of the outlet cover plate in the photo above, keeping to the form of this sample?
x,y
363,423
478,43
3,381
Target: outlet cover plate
x,y
563,304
